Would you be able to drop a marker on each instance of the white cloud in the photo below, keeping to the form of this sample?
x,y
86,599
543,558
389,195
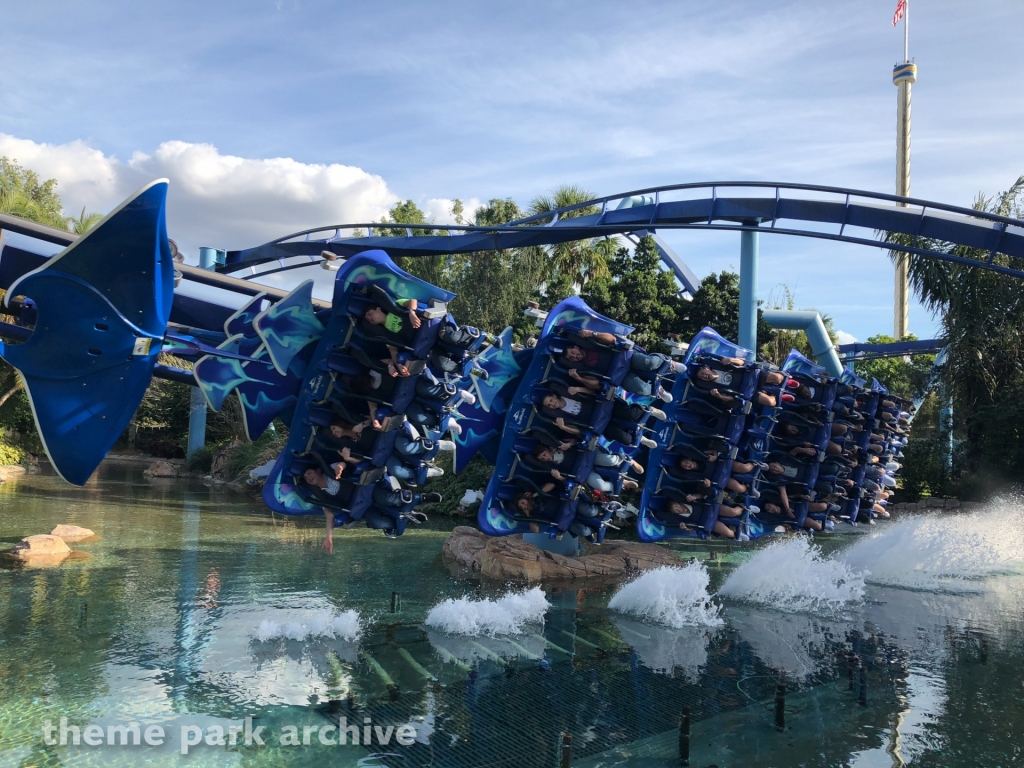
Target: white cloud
x,y
439,210
214,199
842,337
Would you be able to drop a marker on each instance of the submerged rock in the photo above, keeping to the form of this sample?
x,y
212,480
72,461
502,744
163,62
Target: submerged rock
x,y
71,532
509,558
41,550
161,468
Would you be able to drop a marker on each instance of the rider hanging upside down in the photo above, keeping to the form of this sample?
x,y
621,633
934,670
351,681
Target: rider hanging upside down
x,y
567,404
680,513
723,373
564,459
338,493
643,366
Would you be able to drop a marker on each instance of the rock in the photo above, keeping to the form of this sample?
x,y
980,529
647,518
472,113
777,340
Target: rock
x,y
71,532
953,503
936,503
41,550
161,468
509,558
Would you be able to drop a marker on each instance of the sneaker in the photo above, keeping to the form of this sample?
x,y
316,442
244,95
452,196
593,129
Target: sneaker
x,y
664,395
434,472
677,367
479,373
658,414
455,428
648,443
467,396
629,485
793,384
445,445
788,398
432,498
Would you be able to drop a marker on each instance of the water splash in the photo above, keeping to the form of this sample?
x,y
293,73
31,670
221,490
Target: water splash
x,y
793,575
944,552
508,615
347,625
675,597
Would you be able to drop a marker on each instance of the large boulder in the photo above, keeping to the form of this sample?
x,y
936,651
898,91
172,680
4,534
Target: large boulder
x,y
161,468
71,532
509,558
41,550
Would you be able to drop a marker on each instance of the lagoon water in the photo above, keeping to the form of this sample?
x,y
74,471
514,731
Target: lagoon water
x,y
197,609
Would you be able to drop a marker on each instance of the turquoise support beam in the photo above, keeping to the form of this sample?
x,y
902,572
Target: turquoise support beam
x,y
197,405
748,289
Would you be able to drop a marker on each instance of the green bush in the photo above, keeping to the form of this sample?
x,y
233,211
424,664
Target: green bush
x,y
452,487
10,454
202,459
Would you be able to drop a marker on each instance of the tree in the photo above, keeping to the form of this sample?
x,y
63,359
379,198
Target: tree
x,y
906,378
23,194
717,304
493,287
575,263
983,320
637,291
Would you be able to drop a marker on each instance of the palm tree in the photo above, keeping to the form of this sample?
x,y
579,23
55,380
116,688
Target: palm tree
x,y
575,263
983,319
84,222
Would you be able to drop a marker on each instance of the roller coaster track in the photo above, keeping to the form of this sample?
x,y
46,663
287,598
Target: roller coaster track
x,y
802,210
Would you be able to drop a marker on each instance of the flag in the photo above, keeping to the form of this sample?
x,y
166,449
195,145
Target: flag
x,y
901,8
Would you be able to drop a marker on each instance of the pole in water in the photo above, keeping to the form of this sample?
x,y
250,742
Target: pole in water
x,y
684,737
396,602
780,705
862,697
850,658
566,761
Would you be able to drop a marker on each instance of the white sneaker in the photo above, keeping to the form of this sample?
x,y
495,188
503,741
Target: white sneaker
x,y
434,471
658,414
455,428
664,395
648,443
445,445
467,396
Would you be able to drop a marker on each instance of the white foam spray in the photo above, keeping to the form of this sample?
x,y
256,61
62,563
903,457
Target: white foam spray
x,y
793,575
510,614
347,625
944,552
675,597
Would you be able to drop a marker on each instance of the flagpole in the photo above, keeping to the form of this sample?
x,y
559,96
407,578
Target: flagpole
x,y
906,32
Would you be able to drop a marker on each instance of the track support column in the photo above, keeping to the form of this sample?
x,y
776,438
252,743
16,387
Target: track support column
x,y
197,405
748,289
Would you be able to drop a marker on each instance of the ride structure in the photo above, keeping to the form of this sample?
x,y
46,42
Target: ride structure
x,y
94,312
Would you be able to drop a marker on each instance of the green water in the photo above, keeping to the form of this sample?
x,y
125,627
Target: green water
x,y
156,627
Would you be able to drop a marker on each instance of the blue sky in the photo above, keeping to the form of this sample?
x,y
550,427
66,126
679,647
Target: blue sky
x,y
274,116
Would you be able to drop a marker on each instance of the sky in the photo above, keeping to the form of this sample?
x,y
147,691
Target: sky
x,y
272,116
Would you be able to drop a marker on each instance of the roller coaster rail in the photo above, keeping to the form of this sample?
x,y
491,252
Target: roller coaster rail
x,y
648,210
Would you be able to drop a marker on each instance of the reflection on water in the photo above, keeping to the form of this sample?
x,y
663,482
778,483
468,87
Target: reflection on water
x,y
198,607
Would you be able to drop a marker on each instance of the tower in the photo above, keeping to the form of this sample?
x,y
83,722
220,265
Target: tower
x,y
903,76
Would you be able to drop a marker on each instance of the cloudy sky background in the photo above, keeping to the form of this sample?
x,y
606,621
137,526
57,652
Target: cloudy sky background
x,y
269,117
